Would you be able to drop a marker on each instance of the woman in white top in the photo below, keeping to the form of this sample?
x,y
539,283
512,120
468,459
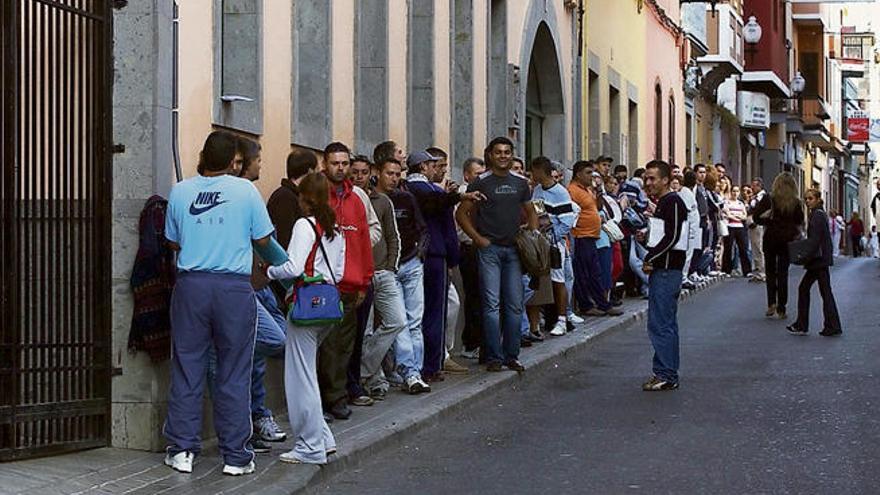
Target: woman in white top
x,y
314,441
735,213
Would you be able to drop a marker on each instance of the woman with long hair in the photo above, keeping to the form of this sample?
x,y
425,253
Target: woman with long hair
x,y
316,248
713,184
821,259
782,215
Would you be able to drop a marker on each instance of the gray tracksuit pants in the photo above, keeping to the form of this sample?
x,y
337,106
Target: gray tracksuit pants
x,y
312,436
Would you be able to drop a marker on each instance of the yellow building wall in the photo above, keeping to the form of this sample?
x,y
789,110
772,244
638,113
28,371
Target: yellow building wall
x,y
615,32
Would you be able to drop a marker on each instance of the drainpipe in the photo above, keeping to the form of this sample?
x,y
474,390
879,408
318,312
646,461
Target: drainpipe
x,y
175,114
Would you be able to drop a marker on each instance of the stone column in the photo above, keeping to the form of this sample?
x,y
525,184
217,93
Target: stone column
x,y
142,102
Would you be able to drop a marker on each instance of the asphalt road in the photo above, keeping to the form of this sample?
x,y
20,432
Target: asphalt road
x,y
758,411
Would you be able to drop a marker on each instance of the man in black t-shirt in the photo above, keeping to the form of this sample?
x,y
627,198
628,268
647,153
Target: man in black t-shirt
x,y
493,225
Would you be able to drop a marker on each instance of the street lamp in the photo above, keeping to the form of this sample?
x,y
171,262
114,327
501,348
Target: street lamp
x,y
798,83
752,35
752,31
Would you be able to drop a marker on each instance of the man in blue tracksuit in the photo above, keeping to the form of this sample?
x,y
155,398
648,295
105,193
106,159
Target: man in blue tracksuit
x,y
437,208
212,220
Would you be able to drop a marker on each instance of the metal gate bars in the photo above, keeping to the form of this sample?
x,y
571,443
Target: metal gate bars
x,y
55,339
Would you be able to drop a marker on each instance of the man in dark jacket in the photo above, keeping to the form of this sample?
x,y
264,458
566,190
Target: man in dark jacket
x,y
283,205
819,241
442,253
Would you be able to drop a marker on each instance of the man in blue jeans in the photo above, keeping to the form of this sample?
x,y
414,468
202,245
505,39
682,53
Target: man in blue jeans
x,y
667,246
492,223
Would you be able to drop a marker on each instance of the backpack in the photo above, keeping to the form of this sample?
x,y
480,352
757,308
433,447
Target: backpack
x,y
534,252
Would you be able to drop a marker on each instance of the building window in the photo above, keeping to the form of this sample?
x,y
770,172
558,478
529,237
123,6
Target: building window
x,y
594,127
658,123
614,115
671,130
238,74
633,136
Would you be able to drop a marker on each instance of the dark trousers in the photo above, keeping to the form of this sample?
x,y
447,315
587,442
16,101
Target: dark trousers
x,y
776,263
740,236
353,385
434,319
829,306
334,354
856,241
220,311
587,275
472,335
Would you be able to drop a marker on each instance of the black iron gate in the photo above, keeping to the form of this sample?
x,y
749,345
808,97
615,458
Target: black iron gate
x,y
55,340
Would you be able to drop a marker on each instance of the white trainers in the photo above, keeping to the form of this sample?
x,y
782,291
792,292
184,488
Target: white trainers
x,y
474,354
577,320
558,329
182,462
239,470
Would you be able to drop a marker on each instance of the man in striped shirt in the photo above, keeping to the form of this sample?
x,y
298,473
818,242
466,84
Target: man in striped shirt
x,y
664,263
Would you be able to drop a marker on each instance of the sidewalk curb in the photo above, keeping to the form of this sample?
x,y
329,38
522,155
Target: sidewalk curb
x,y
473,388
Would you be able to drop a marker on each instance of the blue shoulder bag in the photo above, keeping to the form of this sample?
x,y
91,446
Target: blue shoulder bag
x,y
312,301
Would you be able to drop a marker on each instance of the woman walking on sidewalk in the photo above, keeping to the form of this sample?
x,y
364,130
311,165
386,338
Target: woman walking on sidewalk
x,y
782,215
821,259
856,231
316,248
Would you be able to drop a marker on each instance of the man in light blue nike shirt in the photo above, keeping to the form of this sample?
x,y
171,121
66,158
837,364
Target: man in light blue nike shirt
x,y
212,220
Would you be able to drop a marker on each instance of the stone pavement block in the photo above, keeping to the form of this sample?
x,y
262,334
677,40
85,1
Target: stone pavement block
x,y
387,424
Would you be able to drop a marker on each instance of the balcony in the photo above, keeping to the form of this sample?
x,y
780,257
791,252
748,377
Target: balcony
x,y
725,47
813,112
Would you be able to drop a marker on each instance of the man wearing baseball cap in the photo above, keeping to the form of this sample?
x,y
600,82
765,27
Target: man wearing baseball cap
x,y
442,253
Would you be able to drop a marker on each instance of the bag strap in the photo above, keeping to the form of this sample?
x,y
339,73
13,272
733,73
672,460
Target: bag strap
x,y
319,243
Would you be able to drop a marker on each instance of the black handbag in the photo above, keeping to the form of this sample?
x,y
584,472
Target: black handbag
x,y
801,251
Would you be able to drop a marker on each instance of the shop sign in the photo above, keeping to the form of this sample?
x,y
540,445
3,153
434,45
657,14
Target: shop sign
x,y
753,109
857,124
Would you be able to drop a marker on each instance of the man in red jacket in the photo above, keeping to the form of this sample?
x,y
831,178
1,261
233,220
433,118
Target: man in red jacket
x,y
360,226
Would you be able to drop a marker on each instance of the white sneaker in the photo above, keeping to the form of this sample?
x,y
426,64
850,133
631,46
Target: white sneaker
x,y
558,329
474,354
239,470
577,320
182,462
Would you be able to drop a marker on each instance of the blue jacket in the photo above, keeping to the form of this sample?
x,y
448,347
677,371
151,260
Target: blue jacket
x,y
437,208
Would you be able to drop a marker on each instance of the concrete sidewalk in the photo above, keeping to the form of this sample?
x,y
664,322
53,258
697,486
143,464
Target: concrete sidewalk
x,y
371,429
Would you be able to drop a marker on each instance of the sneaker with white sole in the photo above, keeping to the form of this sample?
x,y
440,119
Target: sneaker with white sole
x,y
472,354
181,462
657,384
415,385
577,320
239,470
558,329
268,430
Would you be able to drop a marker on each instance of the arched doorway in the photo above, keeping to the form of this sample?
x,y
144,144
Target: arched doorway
x,y
545,107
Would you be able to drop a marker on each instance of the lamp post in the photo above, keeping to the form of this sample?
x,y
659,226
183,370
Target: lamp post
x,y
752,35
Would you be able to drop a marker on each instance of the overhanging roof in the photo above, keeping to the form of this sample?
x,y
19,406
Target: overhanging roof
x,y
765,81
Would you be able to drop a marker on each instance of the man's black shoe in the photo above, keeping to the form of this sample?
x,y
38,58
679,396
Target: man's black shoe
x,y
340,410
830,333
494,367
524,342
259,446
515,365
794,330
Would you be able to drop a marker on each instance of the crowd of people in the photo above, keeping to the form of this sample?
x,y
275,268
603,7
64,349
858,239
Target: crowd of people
x,y
430,274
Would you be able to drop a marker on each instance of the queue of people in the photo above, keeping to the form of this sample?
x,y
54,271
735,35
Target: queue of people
x,y
391,274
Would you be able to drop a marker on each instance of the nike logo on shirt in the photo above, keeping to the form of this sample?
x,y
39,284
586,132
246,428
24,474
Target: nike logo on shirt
x,y
206,201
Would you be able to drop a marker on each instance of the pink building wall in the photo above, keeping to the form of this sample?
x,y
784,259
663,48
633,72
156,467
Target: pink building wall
x,y
663,67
